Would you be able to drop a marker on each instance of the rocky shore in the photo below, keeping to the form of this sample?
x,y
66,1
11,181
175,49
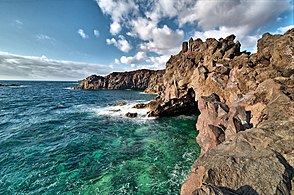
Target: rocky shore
x,y
246,125
245,101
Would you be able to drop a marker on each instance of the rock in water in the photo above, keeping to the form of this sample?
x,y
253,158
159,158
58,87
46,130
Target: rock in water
x,y
140,106
131,115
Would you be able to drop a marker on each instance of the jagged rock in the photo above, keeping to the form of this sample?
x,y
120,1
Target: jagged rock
x,y
131,115
184,47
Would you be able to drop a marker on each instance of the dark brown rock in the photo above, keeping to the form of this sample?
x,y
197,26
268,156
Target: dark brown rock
x,y
184,47
131,115
140,106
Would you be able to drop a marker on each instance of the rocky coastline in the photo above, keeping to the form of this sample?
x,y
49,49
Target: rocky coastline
x,y
245,101
148,80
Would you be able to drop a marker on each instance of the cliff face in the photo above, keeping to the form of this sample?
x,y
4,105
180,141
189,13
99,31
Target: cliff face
x,y
148,80
246,125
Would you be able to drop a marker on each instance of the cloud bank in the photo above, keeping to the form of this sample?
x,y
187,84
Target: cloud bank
x,y
143,20
41,68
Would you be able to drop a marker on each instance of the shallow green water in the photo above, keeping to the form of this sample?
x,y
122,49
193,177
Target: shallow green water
x,y
58,141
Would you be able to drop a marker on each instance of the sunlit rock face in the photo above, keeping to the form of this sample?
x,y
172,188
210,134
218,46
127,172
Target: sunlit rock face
x,y
149,80
246,112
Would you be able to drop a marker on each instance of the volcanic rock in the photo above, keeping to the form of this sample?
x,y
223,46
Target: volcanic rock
x,y
149,80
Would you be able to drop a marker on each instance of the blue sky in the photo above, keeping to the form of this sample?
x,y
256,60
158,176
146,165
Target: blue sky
x,y
71,39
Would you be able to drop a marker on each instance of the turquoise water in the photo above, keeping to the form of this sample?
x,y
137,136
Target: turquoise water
x,y
54,140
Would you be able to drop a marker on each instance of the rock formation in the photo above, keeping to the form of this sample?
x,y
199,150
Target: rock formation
x,y
246,125
148,80
245,101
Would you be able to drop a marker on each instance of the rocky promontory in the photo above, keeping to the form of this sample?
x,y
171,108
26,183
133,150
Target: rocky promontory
x,y
246,125
143,79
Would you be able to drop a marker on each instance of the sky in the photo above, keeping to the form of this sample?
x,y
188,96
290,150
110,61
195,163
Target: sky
x,y
72,39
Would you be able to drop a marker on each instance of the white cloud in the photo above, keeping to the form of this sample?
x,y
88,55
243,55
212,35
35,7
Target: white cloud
x,y
164,41
82,33
283,29
159,61
18,22
159,40
122,44
116,61
133,60
154,62
43,37
96,33
115,28
118,11
144,21
41,68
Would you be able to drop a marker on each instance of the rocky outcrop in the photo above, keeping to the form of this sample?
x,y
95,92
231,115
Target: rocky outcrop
x,y
149,80
246,125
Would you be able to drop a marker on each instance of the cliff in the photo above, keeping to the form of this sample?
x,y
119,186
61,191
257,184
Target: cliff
x,y
246,125
149,80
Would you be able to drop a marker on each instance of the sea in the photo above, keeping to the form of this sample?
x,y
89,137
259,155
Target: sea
x,y
55,140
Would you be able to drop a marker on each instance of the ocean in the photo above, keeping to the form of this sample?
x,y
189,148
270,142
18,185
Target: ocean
x,y
54,140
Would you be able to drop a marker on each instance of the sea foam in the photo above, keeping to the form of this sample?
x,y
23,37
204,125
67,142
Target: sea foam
x,y
122,110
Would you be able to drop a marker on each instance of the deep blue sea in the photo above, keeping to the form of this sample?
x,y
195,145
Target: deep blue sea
x,y
54,140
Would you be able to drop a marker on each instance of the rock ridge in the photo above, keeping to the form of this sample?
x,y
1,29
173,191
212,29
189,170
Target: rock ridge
x,y
149,80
